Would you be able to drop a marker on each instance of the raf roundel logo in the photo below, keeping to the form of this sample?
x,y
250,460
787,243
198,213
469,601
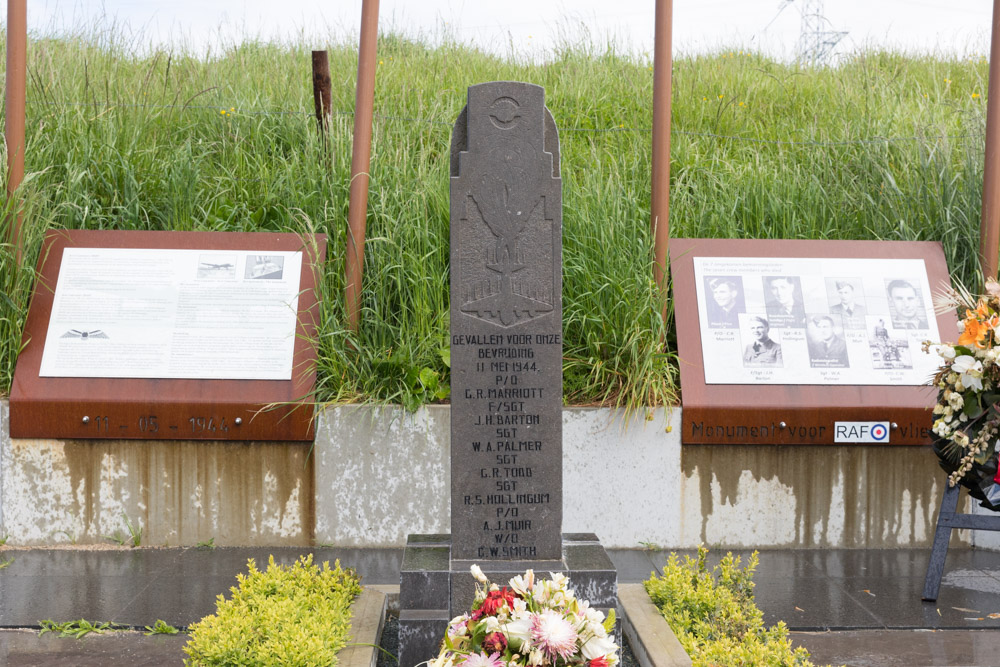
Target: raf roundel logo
x,y
503,113
861,432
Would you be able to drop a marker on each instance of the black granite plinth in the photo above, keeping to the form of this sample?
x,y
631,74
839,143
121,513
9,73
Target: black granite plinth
x,y
420,634
434,588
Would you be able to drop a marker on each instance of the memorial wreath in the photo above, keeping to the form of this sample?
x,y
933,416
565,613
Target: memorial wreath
x,y
537,623
967,414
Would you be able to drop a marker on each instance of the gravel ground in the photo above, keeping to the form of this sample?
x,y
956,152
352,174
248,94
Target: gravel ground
x,y
390,642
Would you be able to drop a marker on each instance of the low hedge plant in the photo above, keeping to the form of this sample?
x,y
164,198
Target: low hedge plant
x,y
714,615
295,615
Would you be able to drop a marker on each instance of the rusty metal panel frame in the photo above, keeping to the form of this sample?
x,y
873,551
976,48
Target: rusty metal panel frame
x,y
753,414
167,409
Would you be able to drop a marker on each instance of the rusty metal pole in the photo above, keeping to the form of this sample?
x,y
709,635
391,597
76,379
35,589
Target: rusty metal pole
x,y
16,84
322,94
989,231
360,160
662,65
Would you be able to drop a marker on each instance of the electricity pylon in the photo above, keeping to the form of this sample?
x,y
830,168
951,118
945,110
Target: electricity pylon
x,y
815,40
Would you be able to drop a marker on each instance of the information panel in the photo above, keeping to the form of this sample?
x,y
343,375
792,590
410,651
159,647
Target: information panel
x,y
170,336
807,342
837,320
159,313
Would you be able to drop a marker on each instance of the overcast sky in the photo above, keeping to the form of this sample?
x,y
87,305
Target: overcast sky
x,y
526,27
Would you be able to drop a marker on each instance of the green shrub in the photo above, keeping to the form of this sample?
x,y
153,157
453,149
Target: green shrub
x,y
288,615
714,615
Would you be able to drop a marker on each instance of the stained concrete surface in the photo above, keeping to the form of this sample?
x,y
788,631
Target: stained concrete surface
x,y
869,599
24,648
378,473
903,648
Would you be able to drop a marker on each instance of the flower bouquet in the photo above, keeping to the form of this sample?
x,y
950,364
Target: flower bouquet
x,y
967,414
538,623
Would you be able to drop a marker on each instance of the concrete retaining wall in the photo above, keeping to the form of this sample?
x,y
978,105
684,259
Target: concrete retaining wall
x,y
376,474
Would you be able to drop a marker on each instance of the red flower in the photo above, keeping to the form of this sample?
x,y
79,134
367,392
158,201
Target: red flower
x,y
496,643
494,602
599,662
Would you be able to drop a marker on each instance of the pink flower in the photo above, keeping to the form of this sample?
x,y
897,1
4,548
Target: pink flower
x,y
599,662
553,634
496,642
482,660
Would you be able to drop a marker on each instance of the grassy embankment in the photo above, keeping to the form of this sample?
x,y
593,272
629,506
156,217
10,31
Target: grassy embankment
x,y
882,147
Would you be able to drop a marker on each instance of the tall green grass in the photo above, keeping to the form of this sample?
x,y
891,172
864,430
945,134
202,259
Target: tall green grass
x,y
883,146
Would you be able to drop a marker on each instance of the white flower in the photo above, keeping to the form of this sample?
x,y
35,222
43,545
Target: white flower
x,y
946,351
477,572
595,647
458,625
596,627
517,630
961,327
520,607
965,363
941,428
446,659
523,585
536,657
492,624
971,370
559,580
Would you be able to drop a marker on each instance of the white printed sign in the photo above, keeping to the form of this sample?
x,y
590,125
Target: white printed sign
x,y
153,313
767,320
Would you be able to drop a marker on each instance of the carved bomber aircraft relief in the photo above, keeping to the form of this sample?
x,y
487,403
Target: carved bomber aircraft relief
x,y
497,204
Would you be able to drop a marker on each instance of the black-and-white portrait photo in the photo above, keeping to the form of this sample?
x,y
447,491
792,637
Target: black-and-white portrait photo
x,y
906,305
783,301
724,301
847,300
825,338
761,349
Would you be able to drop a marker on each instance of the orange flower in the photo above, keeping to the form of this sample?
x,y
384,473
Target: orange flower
x,y
975,331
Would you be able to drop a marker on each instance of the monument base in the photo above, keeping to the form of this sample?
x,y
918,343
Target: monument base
x,y
434,588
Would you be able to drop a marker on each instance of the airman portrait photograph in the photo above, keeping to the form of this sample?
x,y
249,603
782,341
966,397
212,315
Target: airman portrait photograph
x,y
724,301
783,301
847,299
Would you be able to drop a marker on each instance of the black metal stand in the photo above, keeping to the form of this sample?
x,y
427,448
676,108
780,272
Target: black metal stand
x,y
948,519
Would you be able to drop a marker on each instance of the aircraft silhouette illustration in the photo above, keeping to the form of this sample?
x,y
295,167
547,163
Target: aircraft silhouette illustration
x,y
84,335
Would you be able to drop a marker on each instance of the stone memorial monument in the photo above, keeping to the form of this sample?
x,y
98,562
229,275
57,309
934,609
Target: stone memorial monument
x,y
506,374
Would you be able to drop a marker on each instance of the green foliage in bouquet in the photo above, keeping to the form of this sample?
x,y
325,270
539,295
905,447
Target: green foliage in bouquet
x,y
714,616
289,615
